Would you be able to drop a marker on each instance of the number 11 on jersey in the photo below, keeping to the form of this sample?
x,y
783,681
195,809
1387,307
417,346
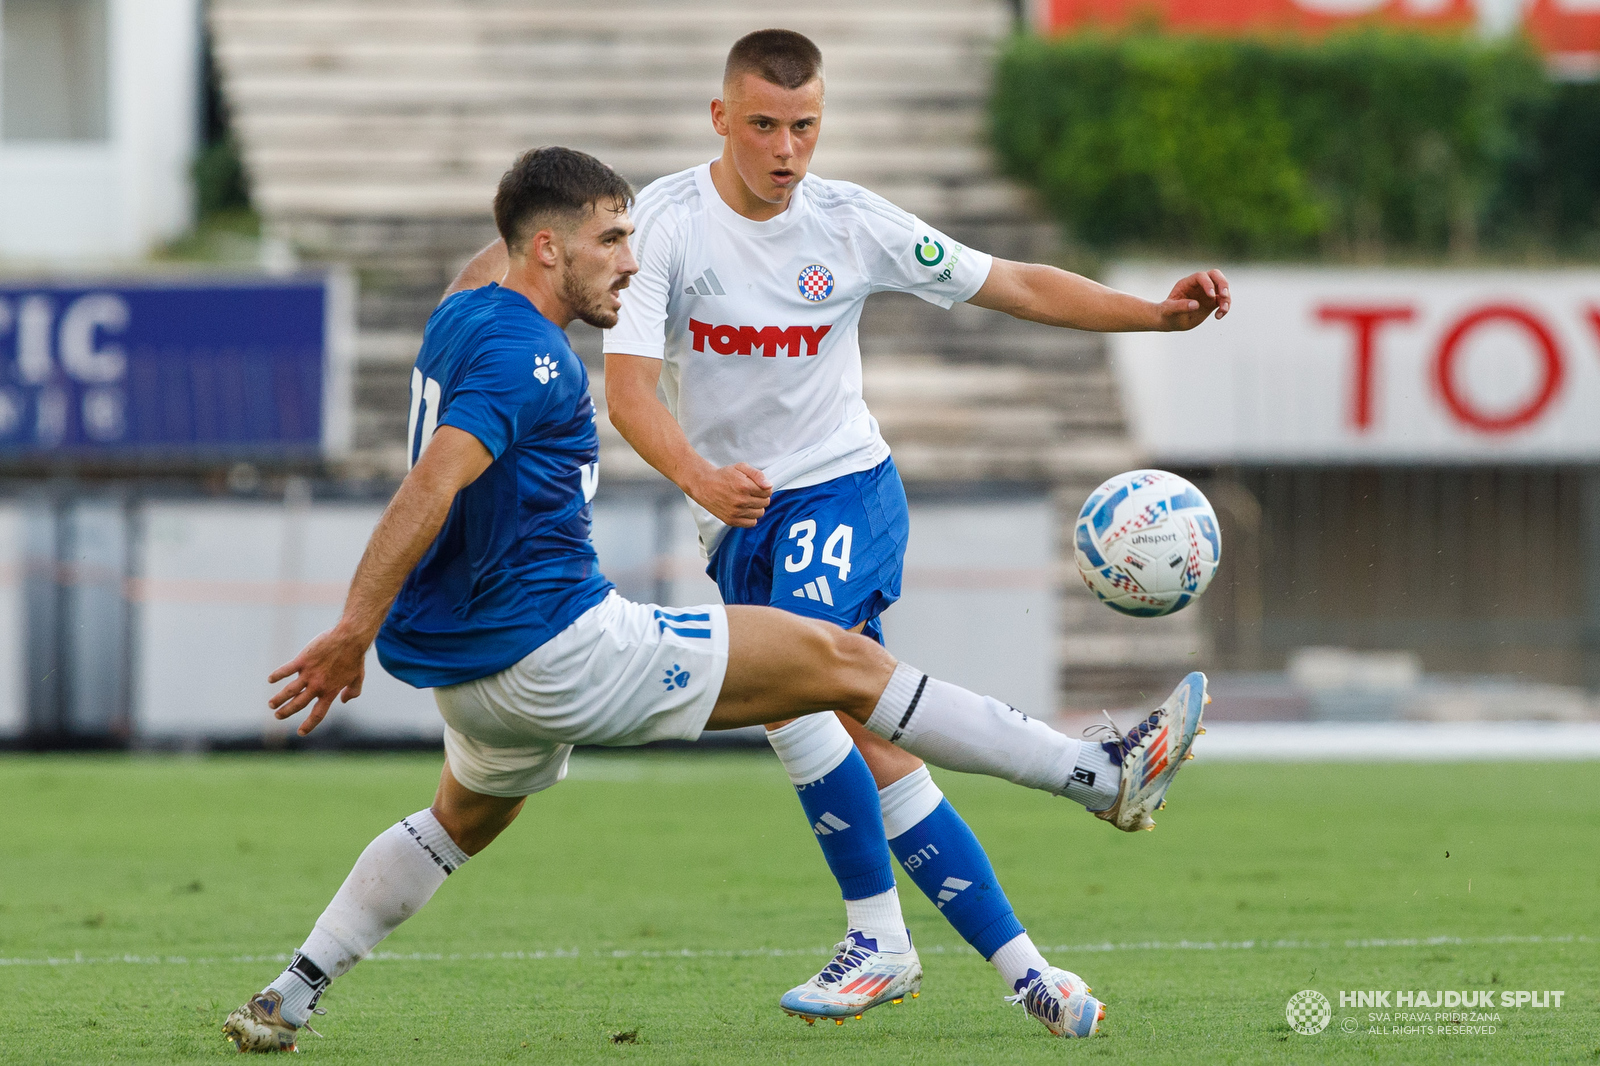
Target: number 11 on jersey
x,y
424,402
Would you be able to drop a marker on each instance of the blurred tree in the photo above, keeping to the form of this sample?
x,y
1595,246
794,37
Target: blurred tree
x,y
1355,146
227,228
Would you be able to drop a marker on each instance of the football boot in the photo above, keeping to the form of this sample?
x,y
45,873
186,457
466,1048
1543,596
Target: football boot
x,y
1061,1001
1150,753
259,1025
859,978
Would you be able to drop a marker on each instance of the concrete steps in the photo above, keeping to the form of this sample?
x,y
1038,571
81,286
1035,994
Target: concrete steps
x,y
415,108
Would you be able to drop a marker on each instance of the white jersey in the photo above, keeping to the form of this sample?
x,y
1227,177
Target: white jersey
x,y
757,321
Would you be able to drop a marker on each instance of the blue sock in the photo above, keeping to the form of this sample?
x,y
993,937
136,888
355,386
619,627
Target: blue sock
x,y
946,861
841,802
842,807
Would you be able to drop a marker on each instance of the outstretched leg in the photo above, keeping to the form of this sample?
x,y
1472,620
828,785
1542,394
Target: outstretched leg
x,y
394,877
780,665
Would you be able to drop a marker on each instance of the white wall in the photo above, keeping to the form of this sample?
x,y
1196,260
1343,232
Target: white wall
x,y
977,606
13,570
227,591
978,603
84,203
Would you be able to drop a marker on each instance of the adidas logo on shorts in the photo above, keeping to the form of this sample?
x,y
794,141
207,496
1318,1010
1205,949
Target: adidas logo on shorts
x,y
816,590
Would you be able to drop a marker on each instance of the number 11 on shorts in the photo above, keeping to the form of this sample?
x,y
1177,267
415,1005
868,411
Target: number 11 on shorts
x,y
835,550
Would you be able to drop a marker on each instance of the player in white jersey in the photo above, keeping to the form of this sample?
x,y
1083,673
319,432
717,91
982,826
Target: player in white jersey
x,y
744,315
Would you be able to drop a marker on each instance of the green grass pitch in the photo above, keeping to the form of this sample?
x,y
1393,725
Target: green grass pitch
x,y
676,896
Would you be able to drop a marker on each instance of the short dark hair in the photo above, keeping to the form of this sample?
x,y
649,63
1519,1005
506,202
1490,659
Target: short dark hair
x,y
783,57
553,181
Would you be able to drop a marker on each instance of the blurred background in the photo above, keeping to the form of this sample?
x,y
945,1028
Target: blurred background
x,y
223,224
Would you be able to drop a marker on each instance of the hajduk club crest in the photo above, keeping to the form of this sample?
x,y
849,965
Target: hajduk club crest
x,y
816,283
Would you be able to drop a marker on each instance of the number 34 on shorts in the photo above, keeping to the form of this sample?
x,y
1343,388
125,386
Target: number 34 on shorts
x,y
802,542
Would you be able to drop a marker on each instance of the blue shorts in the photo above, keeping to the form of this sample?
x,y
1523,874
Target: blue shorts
x,y
832,551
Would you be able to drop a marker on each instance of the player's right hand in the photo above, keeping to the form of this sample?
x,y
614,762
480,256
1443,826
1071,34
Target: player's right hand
x,y
737,494
332,666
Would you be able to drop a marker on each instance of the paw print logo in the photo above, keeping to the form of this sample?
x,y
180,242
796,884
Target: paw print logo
x,y
677,677
544,368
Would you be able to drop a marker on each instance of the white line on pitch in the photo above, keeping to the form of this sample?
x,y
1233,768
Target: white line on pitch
x,y
78,958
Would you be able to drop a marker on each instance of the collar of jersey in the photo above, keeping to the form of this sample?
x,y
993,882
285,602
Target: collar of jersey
x,y
718,208
502,293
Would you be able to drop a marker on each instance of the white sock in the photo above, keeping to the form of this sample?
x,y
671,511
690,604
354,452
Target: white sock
x,y
1015,958
396,874
905,803
301,985
811,747
908,801
960,730
879,917
1095,780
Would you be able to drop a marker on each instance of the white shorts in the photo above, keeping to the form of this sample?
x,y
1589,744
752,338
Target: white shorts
x,y
623,673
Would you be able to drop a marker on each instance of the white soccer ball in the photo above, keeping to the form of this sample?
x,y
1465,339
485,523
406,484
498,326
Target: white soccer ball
x,y
1147,543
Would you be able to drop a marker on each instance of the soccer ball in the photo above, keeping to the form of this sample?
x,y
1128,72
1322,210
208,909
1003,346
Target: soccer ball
x,y
1147,543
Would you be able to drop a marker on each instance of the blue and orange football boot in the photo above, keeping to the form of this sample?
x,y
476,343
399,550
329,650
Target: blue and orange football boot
x,y
859,978
1060,1000
1151,752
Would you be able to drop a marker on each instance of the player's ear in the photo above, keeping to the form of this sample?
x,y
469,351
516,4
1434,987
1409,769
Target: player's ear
x,y
719,117
544,248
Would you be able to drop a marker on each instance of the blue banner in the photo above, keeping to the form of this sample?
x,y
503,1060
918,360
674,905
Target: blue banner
x,y
210,369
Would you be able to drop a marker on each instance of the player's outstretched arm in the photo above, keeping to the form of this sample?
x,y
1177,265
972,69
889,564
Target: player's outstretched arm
x,y
1058,297
737,494
333,664
488,265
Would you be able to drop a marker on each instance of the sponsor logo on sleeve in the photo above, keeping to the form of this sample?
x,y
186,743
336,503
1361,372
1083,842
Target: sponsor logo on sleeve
x,y
930,253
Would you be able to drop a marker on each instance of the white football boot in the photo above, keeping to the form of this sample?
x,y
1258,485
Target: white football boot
x,y
859,978
1151,752
1061,1000
259,1025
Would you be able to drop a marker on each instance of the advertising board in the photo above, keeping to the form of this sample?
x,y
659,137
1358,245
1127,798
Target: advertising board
x,y
1567,31
1358,366
196,369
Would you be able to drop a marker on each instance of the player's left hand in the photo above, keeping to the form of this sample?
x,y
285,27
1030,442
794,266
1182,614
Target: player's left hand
x,y
1194,298
333,665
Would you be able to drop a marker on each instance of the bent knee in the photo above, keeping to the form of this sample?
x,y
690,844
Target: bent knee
x,y
860,665
839,648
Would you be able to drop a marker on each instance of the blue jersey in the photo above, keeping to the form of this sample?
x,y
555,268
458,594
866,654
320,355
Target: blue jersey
x,y
513,565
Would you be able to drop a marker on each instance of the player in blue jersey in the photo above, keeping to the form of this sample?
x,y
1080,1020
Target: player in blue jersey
x,y
479,581
734,369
